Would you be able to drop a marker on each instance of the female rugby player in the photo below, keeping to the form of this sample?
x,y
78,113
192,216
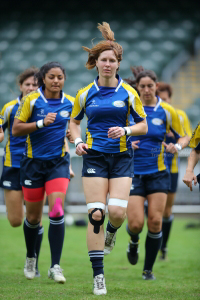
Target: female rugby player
x,y
107,157
151,178
43,116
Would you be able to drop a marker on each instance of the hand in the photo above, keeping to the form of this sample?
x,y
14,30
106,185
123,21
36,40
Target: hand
x,y
69,137
71,172
134,145
170,148
80,149
116,132
188,178
170,134
50,118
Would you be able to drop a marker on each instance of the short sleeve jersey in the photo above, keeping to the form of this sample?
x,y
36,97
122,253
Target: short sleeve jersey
x,y
105,112
195,140
173,159
48,142
1,120
15,146
150,157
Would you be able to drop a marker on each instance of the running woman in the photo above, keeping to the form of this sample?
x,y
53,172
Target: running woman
x,y
151,178
1,130
164,91
15,146
193,159
43,116
107,157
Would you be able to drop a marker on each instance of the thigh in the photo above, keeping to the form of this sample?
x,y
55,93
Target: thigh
x,y
95,189
135,209
119,187
34,211
14,203
156,205
56,198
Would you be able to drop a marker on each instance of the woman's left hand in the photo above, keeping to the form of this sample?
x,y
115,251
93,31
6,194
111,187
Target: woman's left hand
x,y
116,132
170,147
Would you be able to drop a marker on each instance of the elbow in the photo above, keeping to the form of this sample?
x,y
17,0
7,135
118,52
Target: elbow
x,y
14,131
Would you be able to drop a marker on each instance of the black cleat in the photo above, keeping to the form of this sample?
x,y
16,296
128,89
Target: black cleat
x,y
132,252
148,275
163,254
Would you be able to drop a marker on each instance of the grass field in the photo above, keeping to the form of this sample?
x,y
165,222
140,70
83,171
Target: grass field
x,y
178,278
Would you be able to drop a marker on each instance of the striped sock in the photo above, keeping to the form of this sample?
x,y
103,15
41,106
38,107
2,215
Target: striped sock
x,y
56,238
153,242
134,236
96,258
30,235
111,228
38,244
166,228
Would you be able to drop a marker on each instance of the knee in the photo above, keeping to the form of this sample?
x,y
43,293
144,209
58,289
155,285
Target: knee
x,y
135,226
97,216
117,213
155,224
15,222
33,218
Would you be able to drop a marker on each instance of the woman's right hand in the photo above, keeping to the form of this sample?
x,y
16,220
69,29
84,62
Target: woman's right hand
x,y
50,118
80,149
134,144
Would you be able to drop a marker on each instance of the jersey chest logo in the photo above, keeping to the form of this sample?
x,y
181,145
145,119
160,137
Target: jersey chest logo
x,y
157,121
64,113
118,103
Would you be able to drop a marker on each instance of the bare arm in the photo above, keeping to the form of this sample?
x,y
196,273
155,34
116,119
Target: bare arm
x,y
189,174
75,130
21,128
1,135
140,128
174,148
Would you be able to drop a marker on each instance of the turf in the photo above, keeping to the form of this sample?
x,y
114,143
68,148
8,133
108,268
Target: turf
x,y
178,278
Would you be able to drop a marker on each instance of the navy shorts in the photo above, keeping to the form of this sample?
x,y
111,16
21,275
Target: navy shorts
x,y
143,185
10,179
173,182
108,165
34,173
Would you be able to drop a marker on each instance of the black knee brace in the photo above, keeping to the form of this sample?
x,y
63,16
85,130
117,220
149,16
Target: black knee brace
x,y
95,223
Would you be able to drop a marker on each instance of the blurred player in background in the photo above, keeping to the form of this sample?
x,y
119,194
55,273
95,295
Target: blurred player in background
x,y
43,116
15,147
193,159
151,178
164,91
107,158
1,129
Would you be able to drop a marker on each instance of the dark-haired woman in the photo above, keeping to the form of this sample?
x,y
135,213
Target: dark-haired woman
x,y
151,178
43,116
107,157
15,146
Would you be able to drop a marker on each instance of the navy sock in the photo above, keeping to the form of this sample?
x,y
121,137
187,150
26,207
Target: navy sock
x,y
38,244
134,236
30,234
96,258
166,227
56,238
152,246
111,228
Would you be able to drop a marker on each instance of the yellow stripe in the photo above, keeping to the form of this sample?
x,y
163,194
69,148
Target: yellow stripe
x,y
89,140
174,166
29,151
8,161
161,165
123,143
79,102
63,150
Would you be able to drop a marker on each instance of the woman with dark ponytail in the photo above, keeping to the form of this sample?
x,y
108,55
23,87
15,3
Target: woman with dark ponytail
x,y
43,116
151,178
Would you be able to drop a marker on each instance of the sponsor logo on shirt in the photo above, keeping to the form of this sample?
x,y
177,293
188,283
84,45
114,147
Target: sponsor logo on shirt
x,y
64,113
91,171
93,103
157,121
118,103
7,183
28,182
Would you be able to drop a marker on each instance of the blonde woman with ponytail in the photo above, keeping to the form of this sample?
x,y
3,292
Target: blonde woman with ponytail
x,y
107,154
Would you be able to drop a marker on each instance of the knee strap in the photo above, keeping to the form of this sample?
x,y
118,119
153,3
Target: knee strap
x,y
117,202
95,223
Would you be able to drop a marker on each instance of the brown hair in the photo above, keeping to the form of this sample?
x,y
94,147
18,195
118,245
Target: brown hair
x,y
107,44
165,87
26,74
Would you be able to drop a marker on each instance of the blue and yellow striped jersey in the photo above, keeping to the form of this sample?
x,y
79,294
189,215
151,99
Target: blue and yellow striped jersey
x,y
1,120
105,112
195,139
15,146
48,142
150,158
173,160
